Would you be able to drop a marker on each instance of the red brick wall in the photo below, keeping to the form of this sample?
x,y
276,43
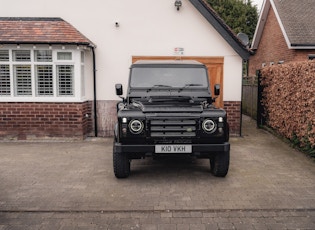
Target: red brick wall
x,y
45,120
273,47
233,109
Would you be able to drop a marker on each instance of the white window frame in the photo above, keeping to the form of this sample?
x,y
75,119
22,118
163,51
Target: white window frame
x,y
82,60
78,77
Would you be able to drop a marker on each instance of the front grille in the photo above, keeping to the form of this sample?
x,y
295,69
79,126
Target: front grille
x,y
173,127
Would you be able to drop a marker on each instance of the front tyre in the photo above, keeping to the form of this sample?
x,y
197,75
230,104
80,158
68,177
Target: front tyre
x,y
121,165
220,164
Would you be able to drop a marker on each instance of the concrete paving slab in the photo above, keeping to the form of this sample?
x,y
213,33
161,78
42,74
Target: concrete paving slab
x,y
71,185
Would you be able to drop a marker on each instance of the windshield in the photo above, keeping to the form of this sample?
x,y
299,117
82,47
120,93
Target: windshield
x,y
168,77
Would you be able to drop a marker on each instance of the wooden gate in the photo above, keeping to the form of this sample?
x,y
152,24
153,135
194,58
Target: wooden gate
x,y
214,65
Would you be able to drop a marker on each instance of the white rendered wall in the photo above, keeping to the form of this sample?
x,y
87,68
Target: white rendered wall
x,y
232,85
146,28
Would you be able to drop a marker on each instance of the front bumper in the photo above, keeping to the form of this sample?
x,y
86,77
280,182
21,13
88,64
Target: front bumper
x,y
199,150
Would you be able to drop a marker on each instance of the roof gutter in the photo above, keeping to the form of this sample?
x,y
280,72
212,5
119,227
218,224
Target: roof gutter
x,y
302,46
47,43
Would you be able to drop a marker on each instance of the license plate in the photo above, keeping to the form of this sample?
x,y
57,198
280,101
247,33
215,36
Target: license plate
x,y
173,149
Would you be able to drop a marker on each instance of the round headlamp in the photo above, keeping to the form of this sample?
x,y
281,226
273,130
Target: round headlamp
x,y
209,126
136,126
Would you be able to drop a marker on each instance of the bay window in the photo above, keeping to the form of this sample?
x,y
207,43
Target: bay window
x,y
41,74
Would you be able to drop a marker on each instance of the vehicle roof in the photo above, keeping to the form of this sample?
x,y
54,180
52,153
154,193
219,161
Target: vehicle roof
x,y
142,63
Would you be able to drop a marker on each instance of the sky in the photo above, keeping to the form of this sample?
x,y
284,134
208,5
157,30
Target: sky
x,y
258,3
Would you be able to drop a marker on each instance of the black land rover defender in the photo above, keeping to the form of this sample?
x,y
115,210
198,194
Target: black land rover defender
x,y
169,110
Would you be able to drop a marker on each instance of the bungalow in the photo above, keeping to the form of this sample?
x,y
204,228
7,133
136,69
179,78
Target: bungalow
x,y
56,82
285,32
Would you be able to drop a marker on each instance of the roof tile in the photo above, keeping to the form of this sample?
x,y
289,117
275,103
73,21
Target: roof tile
x,y
298,20
40,30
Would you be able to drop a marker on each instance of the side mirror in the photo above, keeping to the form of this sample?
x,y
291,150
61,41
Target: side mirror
x,y
119,89
216,89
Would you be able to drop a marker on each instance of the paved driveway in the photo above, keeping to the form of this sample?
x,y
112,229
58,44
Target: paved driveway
x,y
72,186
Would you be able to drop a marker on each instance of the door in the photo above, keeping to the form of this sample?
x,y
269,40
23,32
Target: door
x,y
214,65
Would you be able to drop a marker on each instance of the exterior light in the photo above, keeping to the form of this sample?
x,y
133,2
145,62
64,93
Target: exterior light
x,y
136,126
209,126
178,4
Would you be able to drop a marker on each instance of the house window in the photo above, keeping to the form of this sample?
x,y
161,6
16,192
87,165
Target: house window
x,y
4,55
5,83
65,80
41,74
22,80
43,55
311,56
21,55
44,80
64,56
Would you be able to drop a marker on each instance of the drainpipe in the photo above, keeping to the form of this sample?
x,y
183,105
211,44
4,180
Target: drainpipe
x,y
94,89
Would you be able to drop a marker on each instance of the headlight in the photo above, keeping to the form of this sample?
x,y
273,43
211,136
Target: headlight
x,y
136,126
209,126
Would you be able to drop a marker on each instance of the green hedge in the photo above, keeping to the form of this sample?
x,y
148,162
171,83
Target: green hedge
x,y
289,101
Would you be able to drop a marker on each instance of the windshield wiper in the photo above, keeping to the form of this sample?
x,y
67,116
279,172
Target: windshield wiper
x,y
158,86
187,86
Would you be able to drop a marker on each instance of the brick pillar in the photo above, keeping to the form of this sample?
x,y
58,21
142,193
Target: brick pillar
x,y
233,109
